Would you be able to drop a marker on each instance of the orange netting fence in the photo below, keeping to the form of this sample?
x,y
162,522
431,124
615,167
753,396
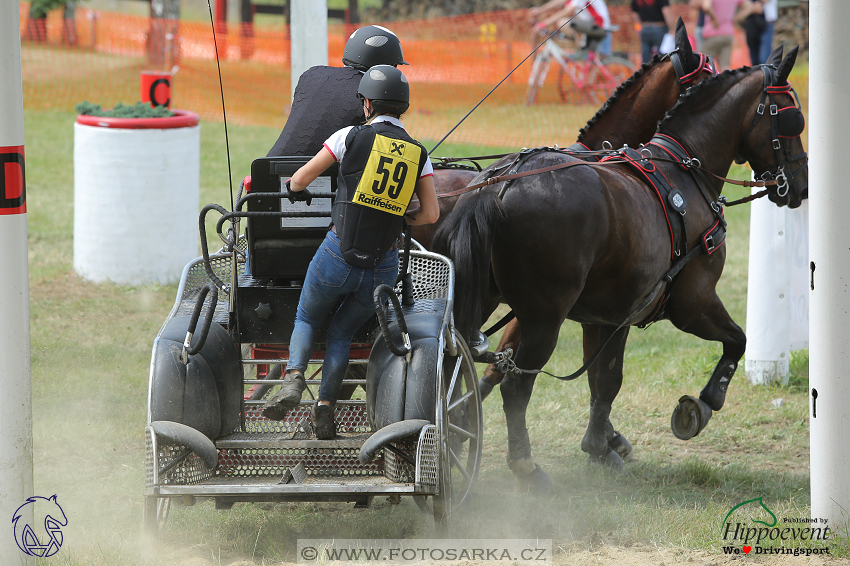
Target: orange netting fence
x,y
455,61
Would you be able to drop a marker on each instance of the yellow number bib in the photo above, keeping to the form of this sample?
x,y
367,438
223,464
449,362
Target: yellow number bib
x,y
390,175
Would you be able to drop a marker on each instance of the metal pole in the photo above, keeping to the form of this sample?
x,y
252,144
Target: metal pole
x,y
16,482
308,29
829,252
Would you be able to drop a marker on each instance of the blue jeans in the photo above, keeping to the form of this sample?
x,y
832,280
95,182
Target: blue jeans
x,y
330,278
650,36
604,48
766,43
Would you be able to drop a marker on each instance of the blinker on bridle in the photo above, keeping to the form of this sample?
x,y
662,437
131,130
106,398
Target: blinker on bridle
x,y
787,122
706,65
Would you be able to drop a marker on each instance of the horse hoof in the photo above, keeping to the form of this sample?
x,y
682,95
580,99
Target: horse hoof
x,y
610,459
689,417
620,445
537,481
485,387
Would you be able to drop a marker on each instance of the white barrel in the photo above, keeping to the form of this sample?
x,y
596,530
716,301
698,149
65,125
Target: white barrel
x,y
768,310
135,203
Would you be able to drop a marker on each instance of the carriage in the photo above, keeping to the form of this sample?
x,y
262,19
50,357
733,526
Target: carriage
x,y
411,424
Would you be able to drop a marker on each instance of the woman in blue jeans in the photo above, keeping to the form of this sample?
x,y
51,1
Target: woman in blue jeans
x,y
381,168
656,19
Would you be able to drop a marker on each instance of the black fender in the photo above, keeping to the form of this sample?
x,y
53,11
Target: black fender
x,y
390,433
202,446
398,389
206,394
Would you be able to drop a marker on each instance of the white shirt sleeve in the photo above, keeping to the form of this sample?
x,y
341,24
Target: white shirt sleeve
x,y
336,143
428,169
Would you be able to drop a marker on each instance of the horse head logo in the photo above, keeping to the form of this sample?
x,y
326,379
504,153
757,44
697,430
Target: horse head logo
x,y
43,537
758,505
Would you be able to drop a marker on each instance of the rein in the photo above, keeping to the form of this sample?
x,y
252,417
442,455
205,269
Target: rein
x,y
612,160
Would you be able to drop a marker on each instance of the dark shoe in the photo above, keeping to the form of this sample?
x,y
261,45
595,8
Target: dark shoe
x,y
287,398
323,421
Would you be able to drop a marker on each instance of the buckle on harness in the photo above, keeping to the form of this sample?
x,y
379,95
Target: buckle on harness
x,y
709,244
776,144
782,183
774,110
760,109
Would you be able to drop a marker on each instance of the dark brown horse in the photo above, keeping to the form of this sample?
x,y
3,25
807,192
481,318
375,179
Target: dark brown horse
x,y
592,243
628,117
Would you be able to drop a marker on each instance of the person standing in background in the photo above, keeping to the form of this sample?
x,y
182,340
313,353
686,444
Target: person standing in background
x,y
719,30
751,18
771,14
589,17
757,18
696,5
655,18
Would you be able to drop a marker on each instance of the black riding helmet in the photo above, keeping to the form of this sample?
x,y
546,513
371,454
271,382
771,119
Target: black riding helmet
x,y
387,88
372,45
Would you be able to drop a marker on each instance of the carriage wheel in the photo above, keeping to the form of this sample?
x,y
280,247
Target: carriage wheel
x,y
461,427
156,513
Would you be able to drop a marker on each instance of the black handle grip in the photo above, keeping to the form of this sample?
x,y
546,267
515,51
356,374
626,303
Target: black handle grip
x,y
381,311
196,315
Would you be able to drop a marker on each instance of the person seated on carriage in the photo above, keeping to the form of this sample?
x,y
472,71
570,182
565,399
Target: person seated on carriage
x,y
325,97
589,18
381,167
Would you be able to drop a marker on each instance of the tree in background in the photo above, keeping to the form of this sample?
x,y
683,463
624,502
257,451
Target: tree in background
x,y
36,29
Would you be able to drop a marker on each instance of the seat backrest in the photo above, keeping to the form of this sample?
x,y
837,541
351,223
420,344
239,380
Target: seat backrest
x,y
281,248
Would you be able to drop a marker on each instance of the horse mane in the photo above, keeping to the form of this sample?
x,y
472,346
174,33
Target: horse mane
x,y
613,98
717,81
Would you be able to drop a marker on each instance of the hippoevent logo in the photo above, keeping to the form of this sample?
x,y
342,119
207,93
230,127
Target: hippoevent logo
x,y
43,537
750,527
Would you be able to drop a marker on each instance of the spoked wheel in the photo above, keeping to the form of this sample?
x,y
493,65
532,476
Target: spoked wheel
x,y
460,425
566,82
601,83
619,67
156,513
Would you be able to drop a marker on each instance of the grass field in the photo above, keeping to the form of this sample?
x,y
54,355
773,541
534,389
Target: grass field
x,y
90,356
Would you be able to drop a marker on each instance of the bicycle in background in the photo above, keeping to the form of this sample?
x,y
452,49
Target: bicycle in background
x,y
583,75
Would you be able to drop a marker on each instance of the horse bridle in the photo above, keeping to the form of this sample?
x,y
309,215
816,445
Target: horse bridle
x,y
706,65
785,122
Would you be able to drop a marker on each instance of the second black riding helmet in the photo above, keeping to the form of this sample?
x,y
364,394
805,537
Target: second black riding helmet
x,y
386,84
372,45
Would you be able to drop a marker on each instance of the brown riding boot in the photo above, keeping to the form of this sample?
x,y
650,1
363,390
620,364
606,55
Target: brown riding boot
x,y
287,398
323,421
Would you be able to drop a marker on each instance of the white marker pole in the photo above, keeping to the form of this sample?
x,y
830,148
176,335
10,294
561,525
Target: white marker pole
x,y
16,483
308,30
829,252
768,313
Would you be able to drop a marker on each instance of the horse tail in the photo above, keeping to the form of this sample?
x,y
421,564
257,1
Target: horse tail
x,y
466,236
